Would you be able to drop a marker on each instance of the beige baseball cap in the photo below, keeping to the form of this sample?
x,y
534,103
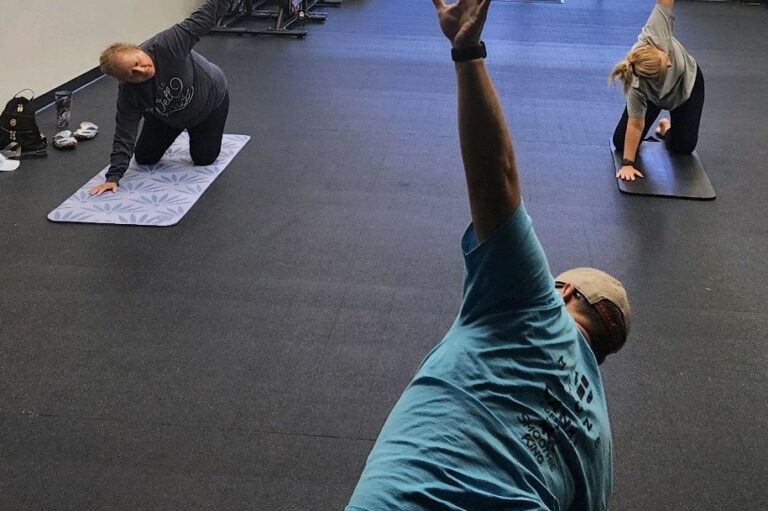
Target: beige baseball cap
x,y
597,286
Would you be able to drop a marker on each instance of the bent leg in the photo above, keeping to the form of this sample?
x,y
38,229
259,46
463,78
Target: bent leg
x,y
205,138
155,138
683,136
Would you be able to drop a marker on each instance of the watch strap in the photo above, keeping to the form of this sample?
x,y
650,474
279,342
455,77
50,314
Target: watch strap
x,y
469,53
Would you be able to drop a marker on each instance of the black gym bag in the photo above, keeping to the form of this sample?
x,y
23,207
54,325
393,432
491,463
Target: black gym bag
x,y
19,135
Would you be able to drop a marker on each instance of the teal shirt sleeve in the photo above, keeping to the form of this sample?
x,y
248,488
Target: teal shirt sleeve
x,y
519,275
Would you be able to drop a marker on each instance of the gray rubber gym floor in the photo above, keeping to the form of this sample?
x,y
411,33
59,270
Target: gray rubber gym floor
x,y
246,358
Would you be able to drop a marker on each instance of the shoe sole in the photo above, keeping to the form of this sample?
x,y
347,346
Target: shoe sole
x,y
29,155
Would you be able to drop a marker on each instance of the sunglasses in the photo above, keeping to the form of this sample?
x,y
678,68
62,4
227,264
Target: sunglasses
x,y
561,285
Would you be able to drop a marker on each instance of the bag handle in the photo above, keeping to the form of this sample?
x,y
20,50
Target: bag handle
x,y
23,90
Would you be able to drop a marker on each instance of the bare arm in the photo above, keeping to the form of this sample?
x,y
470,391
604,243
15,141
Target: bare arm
x,y
669,4
632,137
486,148
635,127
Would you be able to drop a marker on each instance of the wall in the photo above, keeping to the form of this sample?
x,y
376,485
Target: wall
x,y
44,44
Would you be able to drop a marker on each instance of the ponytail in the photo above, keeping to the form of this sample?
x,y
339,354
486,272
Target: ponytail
x,y
642,62
622,72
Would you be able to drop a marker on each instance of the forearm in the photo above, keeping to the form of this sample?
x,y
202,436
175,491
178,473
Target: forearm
x,y
118,165
126,127
632,137
182,37
204,19
486,148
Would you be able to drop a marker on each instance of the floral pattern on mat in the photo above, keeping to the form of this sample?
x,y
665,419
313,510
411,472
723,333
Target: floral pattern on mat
x,y
156,195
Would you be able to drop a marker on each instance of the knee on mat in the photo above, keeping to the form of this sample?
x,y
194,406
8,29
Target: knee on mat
x,y
145,159
203,160
682,147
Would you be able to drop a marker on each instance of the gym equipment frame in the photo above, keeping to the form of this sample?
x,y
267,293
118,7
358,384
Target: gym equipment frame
x,y
288,14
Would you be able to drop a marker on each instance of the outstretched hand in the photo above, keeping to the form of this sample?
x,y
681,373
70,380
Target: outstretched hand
x,y
104,187
628,173
462,21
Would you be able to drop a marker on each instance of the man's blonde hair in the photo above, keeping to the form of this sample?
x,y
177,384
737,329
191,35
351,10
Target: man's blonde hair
x,y
111,56
643,62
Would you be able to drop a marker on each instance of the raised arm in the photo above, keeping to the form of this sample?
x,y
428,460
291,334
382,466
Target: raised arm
x,y
486,147
181,37
204,19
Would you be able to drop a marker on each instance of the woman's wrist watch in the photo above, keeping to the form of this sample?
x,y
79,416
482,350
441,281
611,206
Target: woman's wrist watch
x,y
626,162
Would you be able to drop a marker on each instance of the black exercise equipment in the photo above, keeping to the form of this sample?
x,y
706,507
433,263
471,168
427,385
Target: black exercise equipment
x,y
288,14
666,174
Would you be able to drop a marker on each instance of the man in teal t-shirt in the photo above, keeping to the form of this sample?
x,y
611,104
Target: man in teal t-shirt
x,y
508,411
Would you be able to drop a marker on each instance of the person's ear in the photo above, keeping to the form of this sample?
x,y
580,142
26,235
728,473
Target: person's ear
x,y
568,292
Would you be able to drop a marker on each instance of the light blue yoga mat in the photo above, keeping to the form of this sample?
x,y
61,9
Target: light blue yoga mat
x,y
156,195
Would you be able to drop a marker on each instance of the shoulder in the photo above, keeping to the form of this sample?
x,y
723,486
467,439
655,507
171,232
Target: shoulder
x,y
125,91
517,222
635,92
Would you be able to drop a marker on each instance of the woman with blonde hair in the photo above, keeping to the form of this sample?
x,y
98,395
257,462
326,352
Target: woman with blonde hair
x,y
658,73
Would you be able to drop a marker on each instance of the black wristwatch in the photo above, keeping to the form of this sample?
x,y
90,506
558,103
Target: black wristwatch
x,y
469,53
626,162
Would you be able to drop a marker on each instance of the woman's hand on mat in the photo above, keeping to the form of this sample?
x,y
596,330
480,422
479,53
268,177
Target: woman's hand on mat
x,y
104,187
628,173
462,21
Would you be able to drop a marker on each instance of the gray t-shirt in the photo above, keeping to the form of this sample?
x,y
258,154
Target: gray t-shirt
x,y
677,85
184,91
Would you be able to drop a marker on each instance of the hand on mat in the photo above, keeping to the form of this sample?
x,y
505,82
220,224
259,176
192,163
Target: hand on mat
x,y
628,173
462,21
104,187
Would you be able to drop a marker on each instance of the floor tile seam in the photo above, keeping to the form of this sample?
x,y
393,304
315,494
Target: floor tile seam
x,y
256,300
757,314
113,420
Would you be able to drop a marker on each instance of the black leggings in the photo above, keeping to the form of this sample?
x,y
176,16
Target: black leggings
x,y
204,139
684,133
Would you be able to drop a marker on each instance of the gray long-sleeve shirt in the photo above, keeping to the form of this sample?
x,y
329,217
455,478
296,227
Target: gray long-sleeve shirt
x,y
183,92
